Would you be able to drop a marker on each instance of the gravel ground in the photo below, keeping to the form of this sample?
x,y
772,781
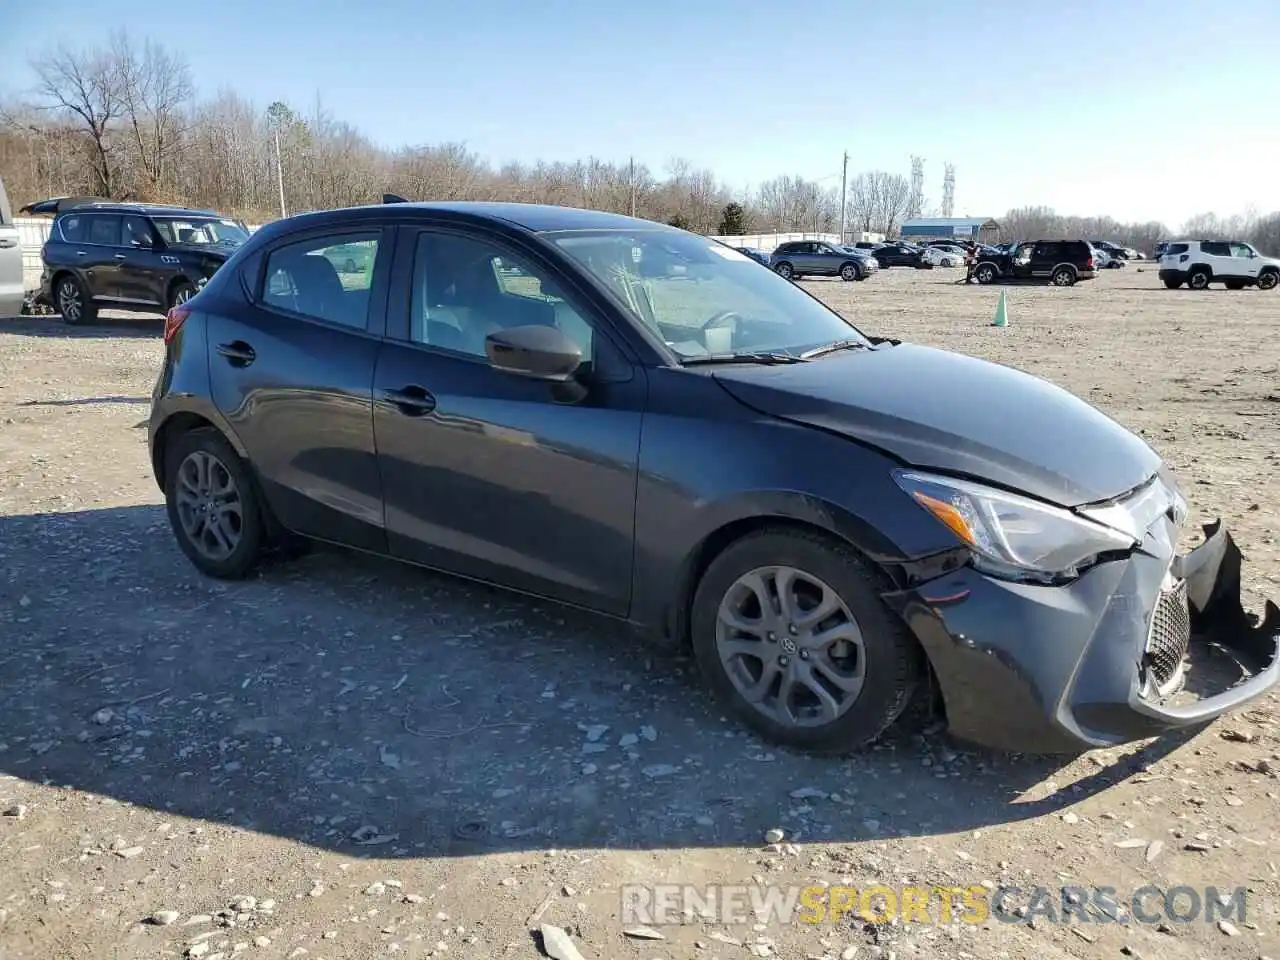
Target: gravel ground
x,y
343,758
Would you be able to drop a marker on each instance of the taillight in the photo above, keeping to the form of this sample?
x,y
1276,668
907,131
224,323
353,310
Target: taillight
x,y
1184,258
173,322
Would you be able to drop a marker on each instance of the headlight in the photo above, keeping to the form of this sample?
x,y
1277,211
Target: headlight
x,y
1011,536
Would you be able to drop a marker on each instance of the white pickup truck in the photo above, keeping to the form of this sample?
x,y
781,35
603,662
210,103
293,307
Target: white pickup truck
x,y
11,292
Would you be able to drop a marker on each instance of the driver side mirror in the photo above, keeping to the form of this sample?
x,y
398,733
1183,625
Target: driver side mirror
x,y
535,351
143,242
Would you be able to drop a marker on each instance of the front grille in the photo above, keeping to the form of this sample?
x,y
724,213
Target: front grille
x,y
1168,639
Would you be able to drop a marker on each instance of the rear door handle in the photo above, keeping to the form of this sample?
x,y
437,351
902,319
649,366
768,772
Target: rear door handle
x,y
6,243
238,353
412,401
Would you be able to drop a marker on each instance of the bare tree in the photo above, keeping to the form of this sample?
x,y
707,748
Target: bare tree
x,y
89,88
890,199
155,88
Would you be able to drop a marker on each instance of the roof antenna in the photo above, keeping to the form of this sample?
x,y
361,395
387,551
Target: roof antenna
x,y
393,198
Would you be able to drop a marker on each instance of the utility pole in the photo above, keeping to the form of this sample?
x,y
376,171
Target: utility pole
x,y
631,180
844,186
280,174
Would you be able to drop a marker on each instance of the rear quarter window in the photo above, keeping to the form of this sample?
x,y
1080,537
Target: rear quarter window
x,y
72,229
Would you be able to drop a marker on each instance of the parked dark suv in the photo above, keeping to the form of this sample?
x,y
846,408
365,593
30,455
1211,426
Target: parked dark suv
x,y
1059,262
817,258
637,420
131,256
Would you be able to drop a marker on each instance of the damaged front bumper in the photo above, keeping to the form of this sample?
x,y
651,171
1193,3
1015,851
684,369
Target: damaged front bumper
x,y
1097,662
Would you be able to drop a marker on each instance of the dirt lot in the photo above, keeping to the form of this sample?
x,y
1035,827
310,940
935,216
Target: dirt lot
x,y
347,759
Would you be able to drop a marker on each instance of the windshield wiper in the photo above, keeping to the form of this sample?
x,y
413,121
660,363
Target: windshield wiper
x,y
833,347
743,358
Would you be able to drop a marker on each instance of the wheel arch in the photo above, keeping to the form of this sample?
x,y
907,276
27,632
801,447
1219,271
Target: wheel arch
x,y
184,421
1199,268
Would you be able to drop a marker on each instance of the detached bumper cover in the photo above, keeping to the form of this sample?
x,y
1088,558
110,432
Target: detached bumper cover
x,y
1043,669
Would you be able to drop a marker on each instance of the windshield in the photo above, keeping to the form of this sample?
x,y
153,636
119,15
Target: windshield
x,y
701,297
207,232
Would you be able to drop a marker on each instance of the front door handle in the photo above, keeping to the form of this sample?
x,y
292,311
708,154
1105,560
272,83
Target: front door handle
x,y
238,353
412,401
119,256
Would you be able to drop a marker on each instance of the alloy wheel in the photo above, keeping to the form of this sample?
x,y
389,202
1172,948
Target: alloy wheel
x,y
1062,278
183,294
209,505
790,646
1268,281
69,304
1198,281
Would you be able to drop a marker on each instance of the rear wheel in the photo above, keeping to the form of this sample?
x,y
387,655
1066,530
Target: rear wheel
x,y
784,271
73,302
1063,277
1199,279
789,631
1268,280
213,505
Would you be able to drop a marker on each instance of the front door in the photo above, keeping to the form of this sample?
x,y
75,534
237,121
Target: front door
x,y
516,481
293,373
141,273
1244,261
1023,260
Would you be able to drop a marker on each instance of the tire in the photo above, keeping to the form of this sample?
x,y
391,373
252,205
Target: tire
x,y
243,530
1199,279
73,302
849,273
784,271
985,273
1234,284
1173,284
1268,280
948,263
1063,277
880,651
182,291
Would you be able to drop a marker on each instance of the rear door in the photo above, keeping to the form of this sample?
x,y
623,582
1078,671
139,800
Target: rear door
x,y
98,255
1046,255
292,371
508,479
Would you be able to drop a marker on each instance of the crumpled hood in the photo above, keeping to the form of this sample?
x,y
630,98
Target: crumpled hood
x,y
948,412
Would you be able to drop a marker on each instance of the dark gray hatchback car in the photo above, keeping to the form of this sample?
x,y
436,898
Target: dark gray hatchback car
x,y
639,421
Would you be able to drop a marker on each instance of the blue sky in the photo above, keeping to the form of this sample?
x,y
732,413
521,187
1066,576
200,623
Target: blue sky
x,y
1144,110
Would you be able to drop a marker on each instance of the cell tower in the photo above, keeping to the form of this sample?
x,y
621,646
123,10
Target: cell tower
x,y
917,187
949,191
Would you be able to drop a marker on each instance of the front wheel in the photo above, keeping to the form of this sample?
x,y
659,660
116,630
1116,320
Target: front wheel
x,y
1063,277
784,271
182,292
789,631
213,505
848,272
985,273
1268,281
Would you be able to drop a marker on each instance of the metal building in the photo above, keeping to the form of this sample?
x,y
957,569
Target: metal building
x,y
982,229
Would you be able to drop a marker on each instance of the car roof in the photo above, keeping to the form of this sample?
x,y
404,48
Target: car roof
x,y
535,217
151,209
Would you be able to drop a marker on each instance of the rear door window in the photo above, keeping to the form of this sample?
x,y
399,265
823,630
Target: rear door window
x,y
1213,248
104,229
311,278
1175,248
